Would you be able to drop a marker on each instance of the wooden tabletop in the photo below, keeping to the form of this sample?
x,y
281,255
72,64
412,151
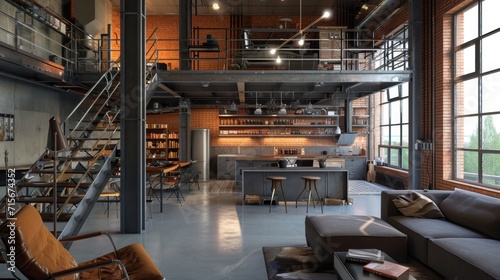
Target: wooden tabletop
x,y
166,169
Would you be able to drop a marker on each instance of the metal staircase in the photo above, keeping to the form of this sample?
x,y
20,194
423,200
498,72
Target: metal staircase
x,y
79,174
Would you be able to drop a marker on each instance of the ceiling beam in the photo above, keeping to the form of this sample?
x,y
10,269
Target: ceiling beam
x,y
167,89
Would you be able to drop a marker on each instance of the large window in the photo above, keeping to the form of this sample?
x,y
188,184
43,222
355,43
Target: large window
x,y
394,129
476,92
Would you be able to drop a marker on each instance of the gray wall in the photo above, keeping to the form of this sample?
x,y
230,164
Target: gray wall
x,y
32,106
43,43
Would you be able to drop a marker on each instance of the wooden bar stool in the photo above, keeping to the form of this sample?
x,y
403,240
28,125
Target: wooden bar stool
x,y
309,184
275,181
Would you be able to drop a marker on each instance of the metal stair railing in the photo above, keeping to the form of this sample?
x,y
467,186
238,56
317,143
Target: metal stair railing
x,y
152,58
81,213
89,142
96,113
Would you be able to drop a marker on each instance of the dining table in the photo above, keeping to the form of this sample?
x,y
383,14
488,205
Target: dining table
x,y
163,171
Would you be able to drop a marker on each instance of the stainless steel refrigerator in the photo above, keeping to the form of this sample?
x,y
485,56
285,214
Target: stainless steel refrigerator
x,y
200,151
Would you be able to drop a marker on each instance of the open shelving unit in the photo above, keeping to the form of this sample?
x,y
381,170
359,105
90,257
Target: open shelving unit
x,y
278,125
156,142
360,117
173,146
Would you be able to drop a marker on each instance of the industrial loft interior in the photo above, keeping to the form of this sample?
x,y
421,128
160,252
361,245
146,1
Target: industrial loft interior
x,y
248,139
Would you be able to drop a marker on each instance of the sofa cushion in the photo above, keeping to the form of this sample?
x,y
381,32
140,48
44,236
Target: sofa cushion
x,y
473,210
419,231
328,233
417,205
465,258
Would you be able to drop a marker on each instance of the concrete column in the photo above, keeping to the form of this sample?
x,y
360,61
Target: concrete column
x,y
133,116
185,131
185,8
415,29
348,115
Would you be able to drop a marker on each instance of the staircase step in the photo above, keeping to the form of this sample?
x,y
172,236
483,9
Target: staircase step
x,y
94,129
81,158
48,217
68,171
49,184
92,138
90,150
48,199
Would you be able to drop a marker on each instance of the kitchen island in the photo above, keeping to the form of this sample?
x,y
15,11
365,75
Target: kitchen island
x,y
333,184
355,164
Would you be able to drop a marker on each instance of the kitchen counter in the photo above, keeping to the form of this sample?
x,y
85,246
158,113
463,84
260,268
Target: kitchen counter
x,y
355,164
333,183
229,165
299,157
226,164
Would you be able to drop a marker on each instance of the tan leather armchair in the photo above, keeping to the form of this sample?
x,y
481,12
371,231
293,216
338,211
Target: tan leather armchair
x,y
37,254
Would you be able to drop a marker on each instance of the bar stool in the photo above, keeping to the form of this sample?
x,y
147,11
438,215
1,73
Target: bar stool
x,y
275,181
309,184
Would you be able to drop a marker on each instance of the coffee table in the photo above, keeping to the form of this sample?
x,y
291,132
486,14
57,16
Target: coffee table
x,y
349,270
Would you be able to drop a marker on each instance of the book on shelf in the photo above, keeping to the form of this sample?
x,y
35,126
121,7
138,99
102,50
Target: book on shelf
x,y
389,270
364,255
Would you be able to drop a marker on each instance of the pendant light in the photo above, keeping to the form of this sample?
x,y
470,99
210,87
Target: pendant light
x,y
233,107
282,111
301,41
258,110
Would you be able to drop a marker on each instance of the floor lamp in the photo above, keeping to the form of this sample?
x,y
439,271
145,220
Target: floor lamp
x,y
56,143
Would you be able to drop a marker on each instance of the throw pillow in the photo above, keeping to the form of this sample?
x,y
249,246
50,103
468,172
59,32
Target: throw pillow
x,y
473,210
417,205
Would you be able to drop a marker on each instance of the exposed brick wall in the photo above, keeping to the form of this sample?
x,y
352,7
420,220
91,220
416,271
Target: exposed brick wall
x,y
115,36
171,119
209,118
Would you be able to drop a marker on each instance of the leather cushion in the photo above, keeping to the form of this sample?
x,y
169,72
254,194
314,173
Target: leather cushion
x,y
38,252
138,263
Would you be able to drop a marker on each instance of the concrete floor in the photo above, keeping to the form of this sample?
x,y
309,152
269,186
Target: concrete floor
x,y
212,235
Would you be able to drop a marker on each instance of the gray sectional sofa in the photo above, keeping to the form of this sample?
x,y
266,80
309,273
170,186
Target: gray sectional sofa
x,y
465,244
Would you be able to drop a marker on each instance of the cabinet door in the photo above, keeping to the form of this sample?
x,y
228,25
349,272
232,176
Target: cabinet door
x,y
225,168
356,167
239,164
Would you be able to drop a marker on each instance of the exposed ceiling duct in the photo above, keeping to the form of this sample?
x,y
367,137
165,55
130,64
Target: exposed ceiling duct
x,y
93,15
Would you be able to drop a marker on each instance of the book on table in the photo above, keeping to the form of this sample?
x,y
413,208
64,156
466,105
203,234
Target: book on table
x,y
388,269
364,255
